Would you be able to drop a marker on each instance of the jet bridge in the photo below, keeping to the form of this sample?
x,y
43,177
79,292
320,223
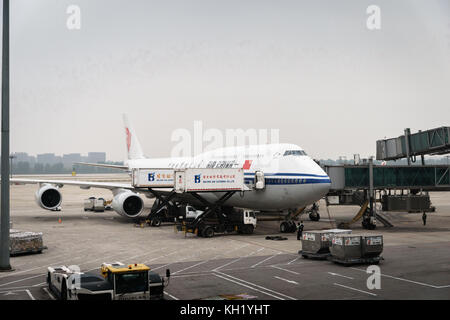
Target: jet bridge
x,y
429,142
168,186
358,184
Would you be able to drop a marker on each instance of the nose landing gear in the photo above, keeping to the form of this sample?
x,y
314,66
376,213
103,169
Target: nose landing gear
x,y
288,227
314,213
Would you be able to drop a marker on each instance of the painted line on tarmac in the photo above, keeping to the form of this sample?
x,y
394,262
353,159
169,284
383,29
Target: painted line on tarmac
x,y
341,285
8,291
39,284
163,256
406,280
19,288
42,275
23,279
52,256
236,260
206,272
286,280
173,297
39,267
257,264
197,264
180,260
29,294
252,288
258,286
168,264
293,272
192,275
213,258
49,294
293,260
340,275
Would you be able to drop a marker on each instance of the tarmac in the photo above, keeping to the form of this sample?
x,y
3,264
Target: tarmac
x,y
416,261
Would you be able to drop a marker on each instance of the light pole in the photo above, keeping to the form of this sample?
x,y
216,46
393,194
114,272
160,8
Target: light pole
x,y
4,222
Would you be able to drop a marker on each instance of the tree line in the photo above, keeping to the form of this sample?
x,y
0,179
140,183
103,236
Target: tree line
x,y
23,167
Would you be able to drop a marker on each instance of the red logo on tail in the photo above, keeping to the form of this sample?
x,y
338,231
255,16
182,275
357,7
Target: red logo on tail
x,y
247,164
128,138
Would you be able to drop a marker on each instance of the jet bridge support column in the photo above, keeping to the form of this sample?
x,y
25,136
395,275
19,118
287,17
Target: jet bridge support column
x,y
369,217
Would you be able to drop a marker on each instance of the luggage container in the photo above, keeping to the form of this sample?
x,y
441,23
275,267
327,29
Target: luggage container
x,y
93,204
99,205
316,244
372,246
346,247
356,249
25,242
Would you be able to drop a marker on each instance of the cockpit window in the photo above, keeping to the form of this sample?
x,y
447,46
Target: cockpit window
x,y
294,153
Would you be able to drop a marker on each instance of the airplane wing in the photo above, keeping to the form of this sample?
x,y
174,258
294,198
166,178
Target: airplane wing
x,y
107,185
90,184
81,184
103,165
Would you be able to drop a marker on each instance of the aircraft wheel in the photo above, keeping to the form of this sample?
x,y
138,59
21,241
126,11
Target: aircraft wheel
x,y
284,227
208,232
314,217
64,290
156,222
248,229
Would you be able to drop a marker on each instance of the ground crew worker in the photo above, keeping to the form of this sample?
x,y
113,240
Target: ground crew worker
x,y
424,218
300,230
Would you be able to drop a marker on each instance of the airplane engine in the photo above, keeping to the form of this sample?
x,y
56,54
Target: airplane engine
x,y
48,197
128,204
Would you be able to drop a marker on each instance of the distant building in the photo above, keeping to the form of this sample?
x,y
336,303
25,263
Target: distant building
x,y
69,159
24,157
96,157
47,158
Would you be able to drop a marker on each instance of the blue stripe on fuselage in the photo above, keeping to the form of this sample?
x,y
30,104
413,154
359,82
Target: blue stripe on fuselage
x,y
289,174
286,181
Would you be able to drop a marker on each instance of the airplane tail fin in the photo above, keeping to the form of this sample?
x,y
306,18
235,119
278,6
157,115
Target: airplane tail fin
x,y
133,146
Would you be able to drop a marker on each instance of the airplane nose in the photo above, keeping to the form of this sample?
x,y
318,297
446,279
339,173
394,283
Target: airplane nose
x,y
322,188
324,185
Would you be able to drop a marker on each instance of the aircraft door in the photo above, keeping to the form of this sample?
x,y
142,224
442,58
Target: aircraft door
x,y
260,182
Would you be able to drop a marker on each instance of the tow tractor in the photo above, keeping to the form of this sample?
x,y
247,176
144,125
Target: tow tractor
x,y
116,281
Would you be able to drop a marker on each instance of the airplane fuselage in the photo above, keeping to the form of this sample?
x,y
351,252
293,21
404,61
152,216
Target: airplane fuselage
x,y
292,179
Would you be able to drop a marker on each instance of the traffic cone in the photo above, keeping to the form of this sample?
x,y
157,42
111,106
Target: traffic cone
x,y
59,220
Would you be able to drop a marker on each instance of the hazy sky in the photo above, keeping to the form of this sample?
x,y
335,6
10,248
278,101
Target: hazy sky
x,y
311,69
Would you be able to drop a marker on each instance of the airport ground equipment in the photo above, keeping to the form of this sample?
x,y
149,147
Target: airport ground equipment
x,y
163,210
206,224
94,204
316,243
25,242
167,185
409,203
116,281
350,249
371,246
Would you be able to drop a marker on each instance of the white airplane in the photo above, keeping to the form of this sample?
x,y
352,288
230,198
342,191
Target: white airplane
x,y
292,180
